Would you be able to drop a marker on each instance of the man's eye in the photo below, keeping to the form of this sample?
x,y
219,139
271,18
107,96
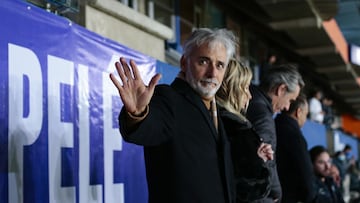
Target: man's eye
x,y
203,62
220,65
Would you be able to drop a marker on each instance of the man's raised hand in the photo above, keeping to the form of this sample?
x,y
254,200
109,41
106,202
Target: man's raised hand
x,y
133,92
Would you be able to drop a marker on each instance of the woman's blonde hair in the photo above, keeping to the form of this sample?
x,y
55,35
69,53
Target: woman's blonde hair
x,y
233,90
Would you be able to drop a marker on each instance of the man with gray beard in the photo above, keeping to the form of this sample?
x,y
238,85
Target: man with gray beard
x,y
187,154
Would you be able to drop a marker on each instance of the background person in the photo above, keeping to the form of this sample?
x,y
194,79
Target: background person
x,y
325,187
343,160
315,106
279,86
187,153
292,157
329,117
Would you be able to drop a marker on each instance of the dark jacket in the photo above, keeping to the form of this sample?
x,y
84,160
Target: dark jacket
x,y
252,180
327,192
260,114
293,161
186,160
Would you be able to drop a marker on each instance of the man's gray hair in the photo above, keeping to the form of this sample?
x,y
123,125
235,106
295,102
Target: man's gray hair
x,y
287,74
202,36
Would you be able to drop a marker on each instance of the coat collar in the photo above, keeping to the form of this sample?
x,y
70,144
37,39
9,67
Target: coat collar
x,y
183,88
259,95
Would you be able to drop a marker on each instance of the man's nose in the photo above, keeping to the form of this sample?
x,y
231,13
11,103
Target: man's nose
x,y
212,70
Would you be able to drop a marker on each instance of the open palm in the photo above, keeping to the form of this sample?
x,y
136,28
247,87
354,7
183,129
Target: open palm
x,y
133,92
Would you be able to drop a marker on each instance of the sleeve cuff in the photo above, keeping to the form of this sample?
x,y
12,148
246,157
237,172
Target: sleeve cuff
x,y
137,118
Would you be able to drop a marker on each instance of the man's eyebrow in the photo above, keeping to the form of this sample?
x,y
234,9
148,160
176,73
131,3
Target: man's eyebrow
x,y
204,57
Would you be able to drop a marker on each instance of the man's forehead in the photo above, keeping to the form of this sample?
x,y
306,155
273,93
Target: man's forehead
x,y
212,54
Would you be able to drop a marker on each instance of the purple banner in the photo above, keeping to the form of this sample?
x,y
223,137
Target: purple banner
x,y
59,137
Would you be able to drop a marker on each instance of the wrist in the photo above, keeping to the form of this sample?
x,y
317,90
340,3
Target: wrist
x,y
139,114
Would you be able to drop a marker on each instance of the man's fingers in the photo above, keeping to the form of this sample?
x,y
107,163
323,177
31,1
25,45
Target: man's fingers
x,y
115,81
121,73
126,69
135,70
154,80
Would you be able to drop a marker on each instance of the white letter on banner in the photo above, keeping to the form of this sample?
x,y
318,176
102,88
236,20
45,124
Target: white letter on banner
x,y
22,130
88,194
112,141
60,134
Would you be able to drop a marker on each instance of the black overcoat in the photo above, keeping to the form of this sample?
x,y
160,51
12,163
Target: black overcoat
x,y
293,161
251,176
186,159
260,114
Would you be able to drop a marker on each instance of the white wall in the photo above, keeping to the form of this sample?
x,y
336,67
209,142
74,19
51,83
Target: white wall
x,y
120,23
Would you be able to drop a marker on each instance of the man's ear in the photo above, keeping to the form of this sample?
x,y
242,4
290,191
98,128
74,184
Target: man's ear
x,y
298,112
183,62
281,90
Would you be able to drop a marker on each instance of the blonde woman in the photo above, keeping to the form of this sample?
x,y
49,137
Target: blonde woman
x,y
249,153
